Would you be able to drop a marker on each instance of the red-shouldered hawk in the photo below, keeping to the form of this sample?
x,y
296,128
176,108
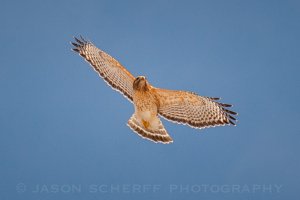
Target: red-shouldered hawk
x,y
149,102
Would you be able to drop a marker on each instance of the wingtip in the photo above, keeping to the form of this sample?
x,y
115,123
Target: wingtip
x,y
215,98
75,50
225,105
232,123
74,44
71,43
230,112
82,38
231,117
78,40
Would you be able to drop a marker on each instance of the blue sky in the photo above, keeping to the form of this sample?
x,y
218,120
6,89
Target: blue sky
x,y
63,131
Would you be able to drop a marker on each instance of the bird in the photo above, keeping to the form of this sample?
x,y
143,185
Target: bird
x,y
151,103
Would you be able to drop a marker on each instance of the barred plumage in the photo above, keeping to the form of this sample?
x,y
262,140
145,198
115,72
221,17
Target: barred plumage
x,y
194,110
177,106
106,66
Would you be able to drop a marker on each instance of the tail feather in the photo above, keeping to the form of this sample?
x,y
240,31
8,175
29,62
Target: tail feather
x,y
158,135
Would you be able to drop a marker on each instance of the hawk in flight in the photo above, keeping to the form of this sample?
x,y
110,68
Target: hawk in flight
x,y
150,102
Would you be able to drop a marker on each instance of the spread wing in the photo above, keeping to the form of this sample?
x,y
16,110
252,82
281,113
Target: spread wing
x,y
106,66
194,110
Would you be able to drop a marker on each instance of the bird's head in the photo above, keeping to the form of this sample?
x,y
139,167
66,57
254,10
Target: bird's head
x,y
140,83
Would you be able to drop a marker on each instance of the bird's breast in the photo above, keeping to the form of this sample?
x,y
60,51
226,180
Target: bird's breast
x,y
145,103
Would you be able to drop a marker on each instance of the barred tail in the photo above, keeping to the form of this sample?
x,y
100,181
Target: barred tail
x,y
156,135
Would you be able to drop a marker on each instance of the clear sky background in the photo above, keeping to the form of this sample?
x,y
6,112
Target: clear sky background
x,y
62,126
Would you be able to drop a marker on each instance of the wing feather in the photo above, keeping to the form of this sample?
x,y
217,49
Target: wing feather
x,y
106,66
193,110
